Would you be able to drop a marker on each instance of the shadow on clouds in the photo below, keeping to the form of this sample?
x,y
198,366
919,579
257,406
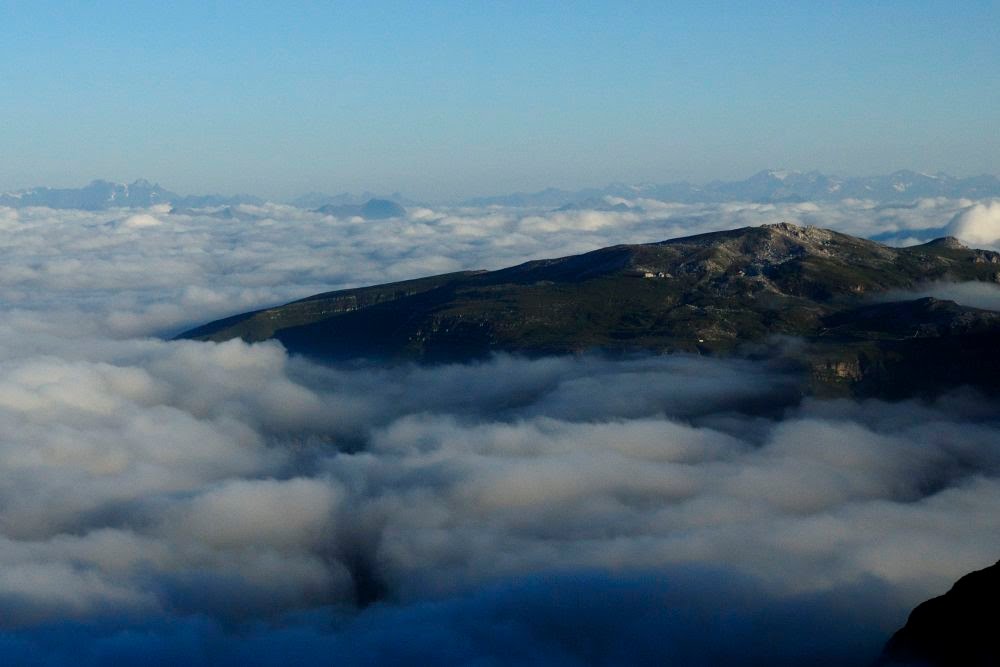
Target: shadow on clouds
x,y
684,616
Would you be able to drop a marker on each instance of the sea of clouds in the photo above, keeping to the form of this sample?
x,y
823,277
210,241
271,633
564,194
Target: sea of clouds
x,y
166,502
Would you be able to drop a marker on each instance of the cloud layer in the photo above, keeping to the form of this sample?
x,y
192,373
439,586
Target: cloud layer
x,y
226,482
132,273
226,504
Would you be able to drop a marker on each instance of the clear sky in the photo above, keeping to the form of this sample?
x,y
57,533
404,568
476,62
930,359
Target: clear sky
x,y
449,99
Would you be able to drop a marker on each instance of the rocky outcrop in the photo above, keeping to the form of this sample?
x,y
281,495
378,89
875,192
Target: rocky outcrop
x,y
959,628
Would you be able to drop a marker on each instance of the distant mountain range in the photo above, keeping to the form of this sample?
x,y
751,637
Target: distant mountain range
x,y
768,186
373,209
724,293
318,200
102,195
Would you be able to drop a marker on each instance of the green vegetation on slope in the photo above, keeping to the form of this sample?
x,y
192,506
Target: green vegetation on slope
x,y
710,294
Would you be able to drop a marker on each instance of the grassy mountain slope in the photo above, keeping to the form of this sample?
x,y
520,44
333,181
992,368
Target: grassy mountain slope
x,y
712,294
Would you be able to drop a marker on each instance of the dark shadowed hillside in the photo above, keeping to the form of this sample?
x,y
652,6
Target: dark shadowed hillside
x,y
717,293
961,627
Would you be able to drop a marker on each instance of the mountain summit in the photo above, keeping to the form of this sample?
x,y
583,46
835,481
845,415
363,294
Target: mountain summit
x,y
102,195
708,294
98,195
373,209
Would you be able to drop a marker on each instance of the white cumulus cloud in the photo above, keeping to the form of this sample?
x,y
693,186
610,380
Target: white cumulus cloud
x,y
978,225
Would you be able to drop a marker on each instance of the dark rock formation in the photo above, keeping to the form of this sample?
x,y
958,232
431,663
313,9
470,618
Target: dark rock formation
x,y
959,628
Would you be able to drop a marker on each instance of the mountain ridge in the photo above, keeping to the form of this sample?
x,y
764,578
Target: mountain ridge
x,y
101,195
713,293
766,186
373,209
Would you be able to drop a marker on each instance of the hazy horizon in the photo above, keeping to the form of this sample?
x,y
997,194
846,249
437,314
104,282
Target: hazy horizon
x,y
450,101
333,190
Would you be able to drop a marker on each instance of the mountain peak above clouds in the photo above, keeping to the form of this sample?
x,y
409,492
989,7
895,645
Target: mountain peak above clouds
x,y
713,294
96,195
373,209
765,186
99,195
770,186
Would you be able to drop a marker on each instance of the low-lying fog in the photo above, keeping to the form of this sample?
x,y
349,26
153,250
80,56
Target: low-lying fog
x,y
217,504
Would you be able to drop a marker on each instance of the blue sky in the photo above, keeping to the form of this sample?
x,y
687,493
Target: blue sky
x,y
451,99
